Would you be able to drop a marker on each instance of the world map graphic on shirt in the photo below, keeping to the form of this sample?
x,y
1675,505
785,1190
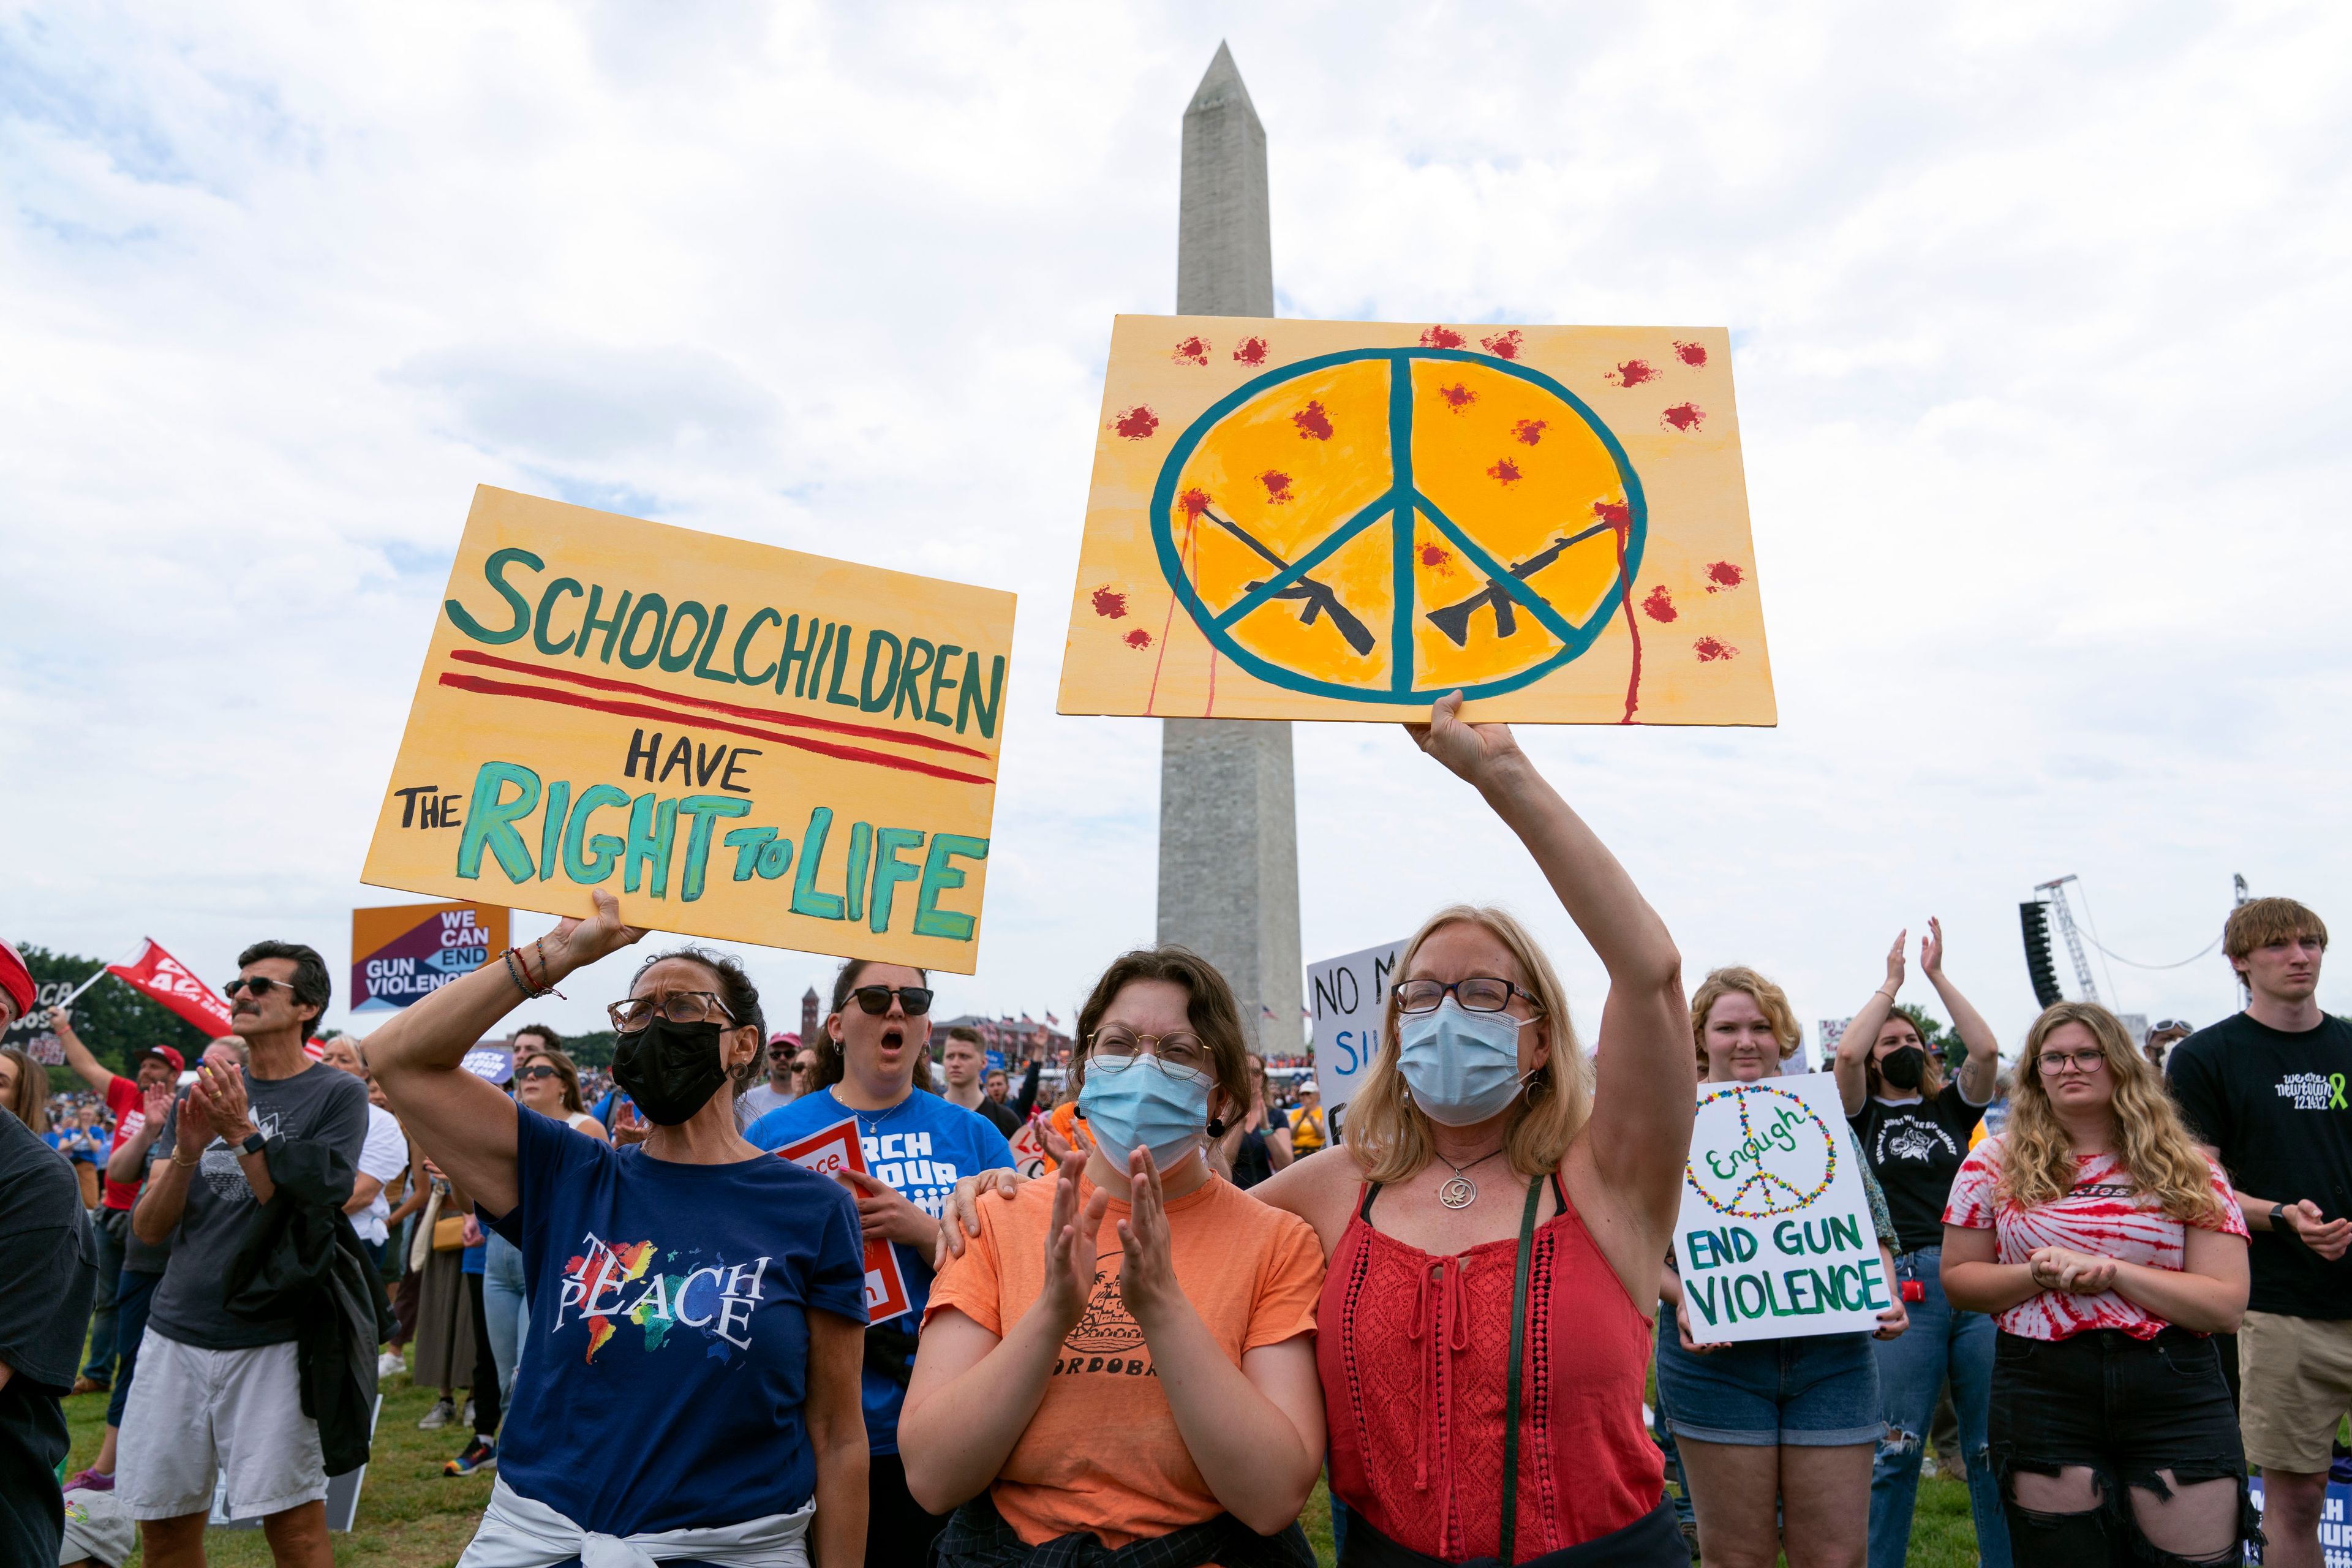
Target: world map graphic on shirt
x,y
608,1285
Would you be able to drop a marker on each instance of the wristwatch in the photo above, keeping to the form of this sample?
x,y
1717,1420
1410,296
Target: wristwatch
x,y
253,1144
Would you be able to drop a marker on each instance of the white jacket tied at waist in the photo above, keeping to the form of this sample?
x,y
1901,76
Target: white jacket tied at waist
x,y
520,1532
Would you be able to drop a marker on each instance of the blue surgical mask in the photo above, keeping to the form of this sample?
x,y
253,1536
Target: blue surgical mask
x,y
1140,1104
1461,1066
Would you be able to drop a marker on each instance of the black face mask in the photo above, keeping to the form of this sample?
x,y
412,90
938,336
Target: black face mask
x,y
1902,1069
671,1070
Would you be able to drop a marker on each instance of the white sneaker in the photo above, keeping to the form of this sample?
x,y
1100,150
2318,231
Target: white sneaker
x,y
389,1364
441,1414
468,1416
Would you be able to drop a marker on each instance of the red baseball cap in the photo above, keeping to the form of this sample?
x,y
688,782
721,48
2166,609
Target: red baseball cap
x,y
164,1054
16,981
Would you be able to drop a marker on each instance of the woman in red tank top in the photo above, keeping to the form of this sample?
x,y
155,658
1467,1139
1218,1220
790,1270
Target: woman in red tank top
x,y
1488,1200
1494,1218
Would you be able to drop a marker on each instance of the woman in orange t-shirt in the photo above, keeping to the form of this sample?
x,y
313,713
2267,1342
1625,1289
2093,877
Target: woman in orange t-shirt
x,y
1127,1351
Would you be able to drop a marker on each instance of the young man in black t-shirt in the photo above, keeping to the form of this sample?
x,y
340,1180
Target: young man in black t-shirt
x,y
2265,1092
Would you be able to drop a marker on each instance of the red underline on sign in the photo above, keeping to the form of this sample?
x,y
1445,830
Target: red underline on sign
x,y
643,710
765,715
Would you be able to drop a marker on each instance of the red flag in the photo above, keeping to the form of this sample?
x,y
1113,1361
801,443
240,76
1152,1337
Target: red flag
x,y
158,976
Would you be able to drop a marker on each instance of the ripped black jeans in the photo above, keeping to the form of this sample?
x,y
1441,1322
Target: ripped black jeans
x,y
2126,1409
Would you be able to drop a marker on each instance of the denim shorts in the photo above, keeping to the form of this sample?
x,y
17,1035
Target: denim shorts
x,y
1816,1392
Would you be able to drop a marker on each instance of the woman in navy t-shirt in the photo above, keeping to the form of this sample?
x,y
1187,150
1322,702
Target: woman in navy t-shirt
x,y
697,1307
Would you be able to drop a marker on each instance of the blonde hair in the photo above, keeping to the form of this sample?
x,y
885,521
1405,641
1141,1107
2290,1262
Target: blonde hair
x,y
2037,1158
1388,1132
1770,999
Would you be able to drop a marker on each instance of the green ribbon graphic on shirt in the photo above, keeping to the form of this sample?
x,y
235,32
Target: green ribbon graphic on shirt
x,y
2336,1083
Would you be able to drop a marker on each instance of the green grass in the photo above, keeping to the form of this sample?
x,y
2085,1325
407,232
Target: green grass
x,y
412,1516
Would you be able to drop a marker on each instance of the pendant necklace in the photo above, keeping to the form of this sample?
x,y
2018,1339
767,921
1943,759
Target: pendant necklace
x,y
1461,1192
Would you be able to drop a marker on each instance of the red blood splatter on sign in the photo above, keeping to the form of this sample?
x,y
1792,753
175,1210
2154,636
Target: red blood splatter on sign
x,y
1615,513
1136,422
1277,484
1724,575
1438,558
1683,416
1193,503
1139,637
1441,338
1252,350
1660,605
1191,351
1457,396
1631,373
1692,355
1312,422
1109,605
1528,430
1505,471
1502,345
1709,649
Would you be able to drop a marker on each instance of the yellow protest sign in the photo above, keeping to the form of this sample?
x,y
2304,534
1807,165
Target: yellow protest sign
x,y
735,741
1348,519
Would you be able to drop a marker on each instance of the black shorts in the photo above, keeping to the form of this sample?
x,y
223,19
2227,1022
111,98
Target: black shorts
x,y
2125,1408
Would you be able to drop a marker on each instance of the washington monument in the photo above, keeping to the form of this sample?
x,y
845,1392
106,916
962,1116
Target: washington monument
x,y
1228,825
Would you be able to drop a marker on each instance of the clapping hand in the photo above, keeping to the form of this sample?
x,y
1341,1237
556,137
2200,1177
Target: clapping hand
x,y
1894,962
221,1091
1070,1247
1147,1279
628,1126
1931,949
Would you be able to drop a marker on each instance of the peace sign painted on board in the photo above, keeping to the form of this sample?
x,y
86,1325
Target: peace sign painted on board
x,y
1343,527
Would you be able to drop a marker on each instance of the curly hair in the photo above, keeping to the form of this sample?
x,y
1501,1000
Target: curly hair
x,y
1390,1134
2037,1157
1770,999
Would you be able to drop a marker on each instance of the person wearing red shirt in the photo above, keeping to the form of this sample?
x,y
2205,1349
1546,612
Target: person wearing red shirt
x,y
2109,1249
158,1066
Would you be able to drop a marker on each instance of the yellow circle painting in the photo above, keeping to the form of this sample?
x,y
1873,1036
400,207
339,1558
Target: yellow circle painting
x,y
1389,525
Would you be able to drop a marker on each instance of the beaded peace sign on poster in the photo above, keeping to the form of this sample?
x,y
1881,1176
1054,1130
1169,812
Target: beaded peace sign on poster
x,y
1345,520
1776,1236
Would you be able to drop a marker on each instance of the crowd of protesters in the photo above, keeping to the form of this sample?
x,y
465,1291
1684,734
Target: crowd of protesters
x,y
2124,1259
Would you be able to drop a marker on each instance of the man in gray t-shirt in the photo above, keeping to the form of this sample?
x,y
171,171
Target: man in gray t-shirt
x,y
218,1394
317,1103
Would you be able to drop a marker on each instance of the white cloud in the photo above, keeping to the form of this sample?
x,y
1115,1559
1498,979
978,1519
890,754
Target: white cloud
x,y
2037,317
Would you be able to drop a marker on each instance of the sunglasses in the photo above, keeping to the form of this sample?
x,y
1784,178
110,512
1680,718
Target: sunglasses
x,y
915,999
539,1072
261,984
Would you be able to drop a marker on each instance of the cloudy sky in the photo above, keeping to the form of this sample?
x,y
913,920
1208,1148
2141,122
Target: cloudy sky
x,y
2035,312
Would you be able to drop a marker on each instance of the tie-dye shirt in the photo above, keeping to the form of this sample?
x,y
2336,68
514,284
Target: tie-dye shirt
x,y
2105,1216
665,1370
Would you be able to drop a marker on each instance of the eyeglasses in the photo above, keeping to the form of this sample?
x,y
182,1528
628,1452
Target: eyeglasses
x,y
1479,994
2052,1063
262,986
677,1006
1116,1047
915,999
539,1072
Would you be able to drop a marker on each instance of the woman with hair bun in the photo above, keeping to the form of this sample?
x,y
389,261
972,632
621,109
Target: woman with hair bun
x,y
2110,1250
697,1306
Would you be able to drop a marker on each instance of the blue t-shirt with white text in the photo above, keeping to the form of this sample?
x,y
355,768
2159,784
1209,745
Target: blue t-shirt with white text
x,y
921,1146
664,1379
